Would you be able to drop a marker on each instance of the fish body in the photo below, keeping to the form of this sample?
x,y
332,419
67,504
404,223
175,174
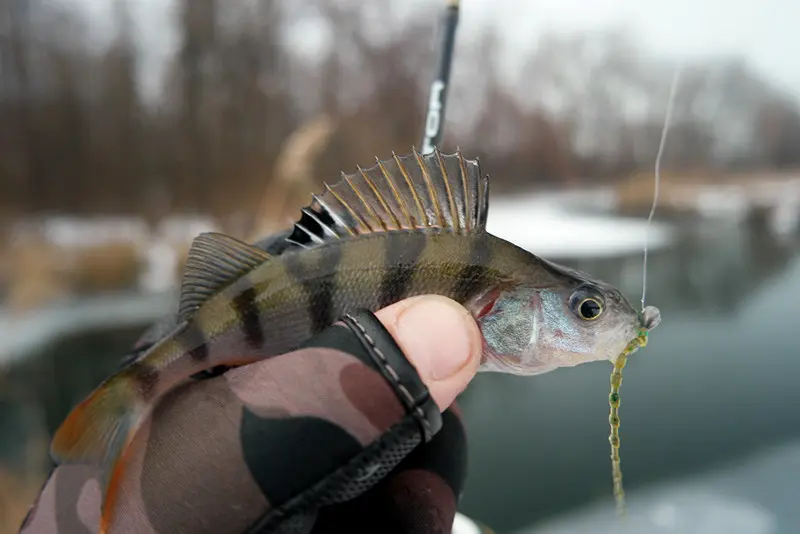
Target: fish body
x,y
408,226
281,303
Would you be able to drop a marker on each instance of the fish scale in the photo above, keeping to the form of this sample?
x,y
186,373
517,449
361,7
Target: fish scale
x,y
410,225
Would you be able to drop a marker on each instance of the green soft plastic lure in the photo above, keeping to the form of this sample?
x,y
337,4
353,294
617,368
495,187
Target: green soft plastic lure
x,y
651,317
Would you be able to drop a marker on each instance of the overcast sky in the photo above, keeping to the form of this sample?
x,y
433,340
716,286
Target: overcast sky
x,y
765,32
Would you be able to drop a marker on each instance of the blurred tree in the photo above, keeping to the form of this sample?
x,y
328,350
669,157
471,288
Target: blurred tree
x,y
198,30
17,137
778,133
117,136
78,136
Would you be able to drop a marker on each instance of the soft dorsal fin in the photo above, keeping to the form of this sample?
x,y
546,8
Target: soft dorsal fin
x,y
406,192
214,261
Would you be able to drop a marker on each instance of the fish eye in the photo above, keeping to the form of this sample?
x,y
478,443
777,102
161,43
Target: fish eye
x,y
590,309
587,303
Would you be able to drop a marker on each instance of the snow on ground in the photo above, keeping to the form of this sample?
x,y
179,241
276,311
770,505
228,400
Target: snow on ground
x,y
548,226
464,525
162,252
758,496
735,200
77,232
159,247
786,217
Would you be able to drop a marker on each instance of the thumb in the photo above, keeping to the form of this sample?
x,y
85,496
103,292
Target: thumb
x,y
440,338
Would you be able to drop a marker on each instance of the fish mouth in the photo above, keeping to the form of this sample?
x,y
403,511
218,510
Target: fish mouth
x,y
638,342
649,318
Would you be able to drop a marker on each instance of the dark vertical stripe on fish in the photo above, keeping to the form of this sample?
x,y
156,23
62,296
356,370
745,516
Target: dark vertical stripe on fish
x,y
402,254
146,378
319,289
474,275
244,304
320,303
193,339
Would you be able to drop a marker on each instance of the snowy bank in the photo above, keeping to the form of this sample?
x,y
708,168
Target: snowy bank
x,y
550,226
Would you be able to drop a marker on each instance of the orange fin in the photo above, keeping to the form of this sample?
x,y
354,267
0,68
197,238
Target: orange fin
x,y
99,428
112,486
99,431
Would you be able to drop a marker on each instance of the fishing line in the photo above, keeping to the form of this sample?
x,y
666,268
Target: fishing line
x,y
664,131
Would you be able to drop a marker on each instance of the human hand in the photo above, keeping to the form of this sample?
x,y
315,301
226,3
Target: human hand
x,y
345,433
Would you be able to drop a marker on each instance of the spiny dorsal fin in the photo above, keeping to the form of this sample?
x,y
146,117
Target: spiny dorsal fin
x,y
406,192
214,261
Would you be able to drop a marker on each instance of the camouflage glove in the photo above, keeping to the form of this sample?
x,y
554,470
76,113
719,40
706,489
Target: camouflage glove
x,y
340,435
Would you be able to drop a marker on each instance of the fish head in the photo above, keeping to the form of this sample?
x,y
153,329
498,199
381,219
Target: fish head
x,y
531,329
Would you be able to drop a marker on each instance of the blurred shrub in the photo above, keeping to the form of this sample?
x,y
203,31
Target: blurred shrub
x,y
40,272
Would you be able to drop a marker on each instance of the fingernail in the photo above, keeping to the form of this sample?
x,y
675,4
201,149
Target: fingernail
x,y
438,335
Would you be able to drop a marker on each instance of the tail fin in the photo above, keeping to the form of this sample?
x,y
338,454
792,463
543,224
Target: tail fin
x,y
113,483
99,428
98,431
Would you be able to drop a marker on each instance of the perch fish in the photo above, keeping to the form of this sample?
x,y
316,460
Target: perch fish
x,y
409,225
